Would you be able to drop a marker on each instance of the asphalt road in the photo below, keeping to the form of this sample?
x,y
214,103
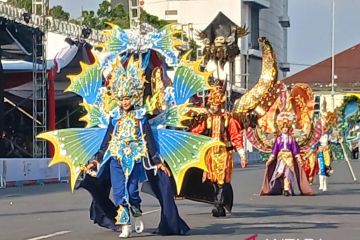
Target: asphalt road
x,y
53,212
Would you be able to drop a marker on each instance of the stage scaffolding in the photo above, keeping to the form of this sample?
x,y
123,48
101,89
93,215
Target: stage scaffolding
x,y
39,78
40,19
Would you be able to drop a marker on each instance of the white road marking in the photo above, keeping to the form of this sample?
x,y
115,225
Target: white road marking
x,y
156,210
49,235
65,232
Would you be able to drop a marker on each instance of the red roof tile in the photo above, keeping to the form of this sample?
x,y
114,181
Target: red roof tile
x,y
347,70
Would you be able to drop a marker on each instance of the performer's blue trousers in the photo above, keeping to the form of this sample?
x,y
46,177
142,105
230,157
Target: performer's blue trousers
x,y
118,184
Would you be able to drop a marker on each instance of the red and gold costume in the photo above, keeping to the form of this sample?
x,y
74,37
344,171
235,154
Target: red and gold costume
x,y
221,126
311,166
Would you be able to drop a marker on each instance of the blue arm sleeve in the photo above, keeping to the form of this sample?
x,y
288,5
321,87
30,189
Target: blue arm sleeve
x,y
105,142
150,142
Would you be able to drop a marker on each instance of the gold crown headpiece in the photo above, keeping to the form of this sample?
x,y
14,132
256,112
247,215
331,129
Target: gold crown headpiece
x,y
285,119
217,96
127,82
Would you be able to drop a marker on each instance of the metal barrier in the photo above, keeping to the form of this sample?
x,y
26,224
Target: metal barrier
x,y
27,171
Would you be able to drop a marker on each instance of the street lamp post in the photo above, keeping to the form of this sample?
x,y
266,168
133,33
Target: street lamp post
x,y
333,56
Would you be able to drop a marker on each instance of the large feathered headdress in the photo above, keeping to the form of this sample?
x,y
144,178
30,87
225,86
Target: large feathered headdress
x,y
127,82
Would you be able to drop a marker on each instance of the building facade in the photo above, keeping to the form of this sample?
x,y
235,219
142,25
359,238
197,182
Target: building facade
x,y
266,18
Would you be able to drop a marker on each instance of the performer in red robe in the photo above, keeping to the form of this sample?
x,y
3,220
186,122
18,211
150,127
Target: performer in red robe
x,y
220,125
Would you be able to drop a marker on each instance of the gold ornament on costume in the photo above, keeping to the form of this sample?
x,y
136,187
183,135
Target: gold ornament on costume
x,y
127,82
285,119
158,89
217,96
255,98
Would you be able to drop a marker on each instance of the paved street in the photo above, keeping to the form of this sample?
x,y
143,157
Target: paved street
x,y
53,212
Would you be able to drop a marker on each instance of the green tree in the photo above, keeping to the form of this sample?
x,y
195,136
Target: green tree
x,y
106,13
117,15
89,19
75,21
152,20
27,4
113,14
57,12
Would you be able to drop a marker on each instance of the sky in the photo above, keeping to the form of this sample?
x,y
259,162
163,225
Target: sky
x,y
309,36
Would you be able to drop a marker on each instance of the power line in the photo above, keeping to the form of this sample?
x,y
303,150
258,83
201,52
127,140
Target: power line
x,y
310,65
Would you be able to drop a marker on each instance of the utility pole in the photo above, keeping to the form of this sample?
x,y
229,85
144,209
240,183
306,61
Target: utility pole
x,y
333,56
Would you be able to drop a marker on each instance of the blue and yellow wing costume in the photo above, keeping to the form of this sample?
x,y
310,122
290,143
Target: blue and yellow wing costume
x,y
76,146
181,150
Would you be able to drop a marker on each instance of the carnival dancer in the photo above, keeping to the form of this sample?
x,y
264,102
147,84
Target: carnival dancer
x,y
117,132
125,148
219,124
311,166
129,148
121,140
284,166
324,162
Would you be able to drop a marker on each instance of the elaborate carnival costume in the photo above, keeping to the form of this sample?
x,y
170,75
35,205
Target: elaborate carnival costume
x,y
265,100
212,183
323,154
311,166
220,125
341,129
126,145
284,165
347,132
130,150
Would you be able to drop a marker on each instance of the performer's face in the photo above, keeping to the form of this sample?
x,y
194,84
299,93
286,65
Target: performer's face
x,y
158,73
215,108
285,129
125,103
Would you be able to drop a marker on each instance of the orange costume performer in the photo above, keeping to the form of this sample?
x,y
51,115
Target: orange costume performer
x,y
220,125
311,165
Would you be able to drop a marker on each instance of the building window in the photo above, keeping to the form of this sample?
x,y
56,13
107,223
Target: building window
x,y
317,107
134,13
172,21
134,3
171,12
254,31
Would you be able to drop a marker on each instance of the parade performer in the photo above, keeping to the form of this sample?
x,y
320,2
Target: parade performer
x,y
324,162
128,142
118,135
311,166
211,182
319,157
284,167
266,100
220,125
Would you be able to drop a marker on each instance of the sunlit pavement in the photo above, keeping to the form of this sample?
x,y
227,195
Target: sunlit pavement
x,y
53,212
